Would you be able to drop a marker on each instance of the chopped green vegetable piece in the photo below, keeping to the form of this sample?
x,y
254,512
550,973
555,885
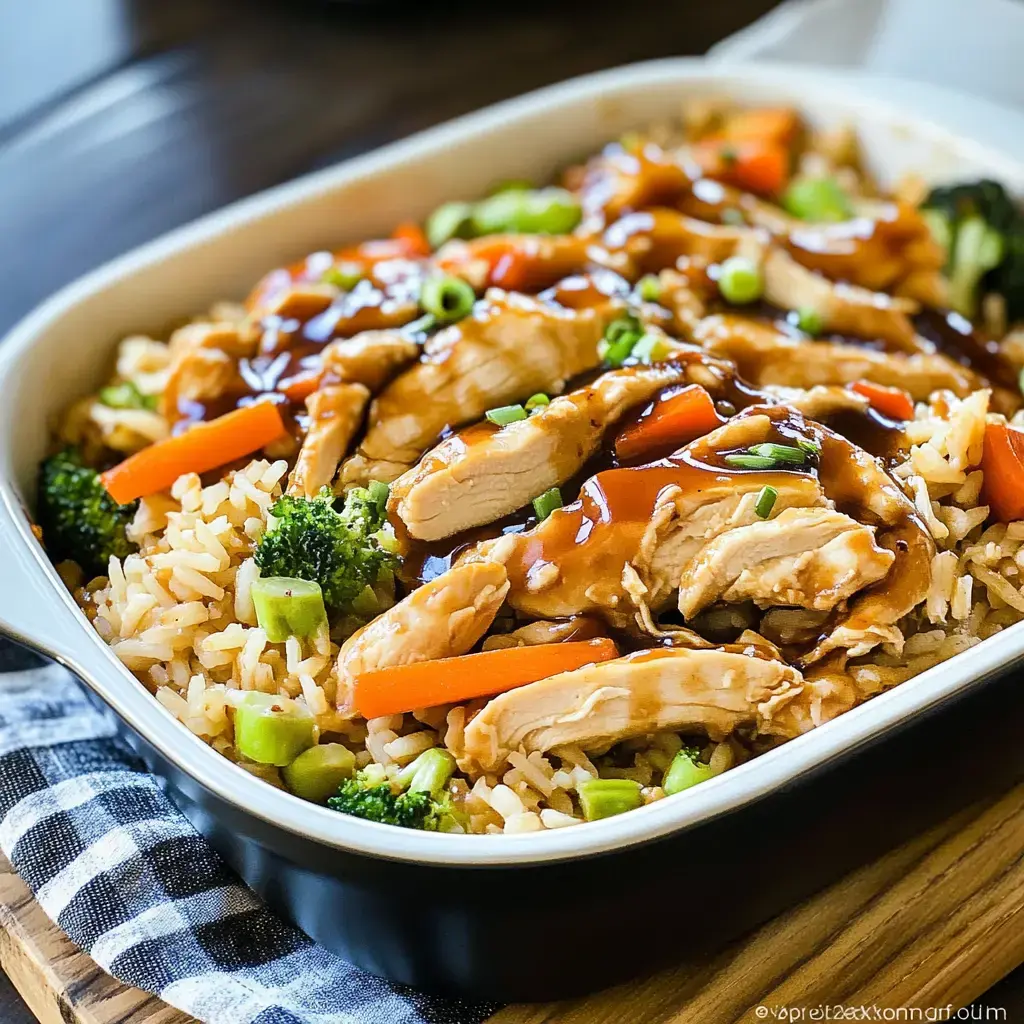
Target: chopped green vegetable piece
x,y
309,540
808,445
940,227
978,248
809,321
286,606
127,396
272,730
537,401
649,288
779,453
447,298
649,349
506,414
512,185
378,491
742,461
740,281
343,275
817,200
317,772
369,796
365,604
428,773
549,211
449,220
546,503
685,771
79,519
422,324
619,338
766,499
603,798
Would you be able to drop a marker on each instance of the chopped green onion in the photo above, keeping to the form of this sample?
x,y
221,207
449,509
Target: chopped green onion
x,y
343,275
603,798
817,199
809,321
537,401
447,298
506,414
546,503
740,281
288,607
127,396
750,461
425,323
619,338
766,499
779,453
649,288
272,730
317,772
808,445
428,773
450,220
549,211
685,771
649,349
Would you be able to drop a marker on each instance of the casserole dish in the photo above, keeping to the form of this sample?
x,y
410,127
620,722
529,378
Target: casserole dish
x,y
436,910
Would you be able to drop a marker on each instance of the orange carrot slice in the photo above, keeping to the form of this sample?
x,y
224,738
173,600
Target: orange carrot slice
x,y
1003,466
676,421
202,447
425,684
892,402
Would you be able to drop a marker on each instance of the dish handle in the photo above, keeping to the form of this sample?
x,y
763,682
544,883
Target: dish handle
x,y
31,613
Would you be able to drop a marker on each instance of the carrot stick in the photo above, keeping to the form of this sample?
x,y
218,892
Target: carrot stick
x,y
675,421
892,402
412,237
298,388
768,124
1003,466
202,447
755,165
426,684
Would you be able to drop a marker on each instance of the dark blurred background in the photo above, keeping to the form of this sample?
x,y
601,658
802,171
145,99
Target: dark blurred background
x,y
121,119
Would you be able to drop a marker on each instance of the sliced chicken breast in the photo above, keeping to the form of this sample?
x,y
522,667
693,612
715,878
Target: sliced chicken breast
x,y
597,706
804,557
509,348
370,358
335,413
483,473
441,619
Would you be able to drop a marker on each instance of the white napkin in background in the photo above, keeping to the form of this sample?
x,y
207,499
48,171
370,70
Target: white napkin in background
x,y
976,46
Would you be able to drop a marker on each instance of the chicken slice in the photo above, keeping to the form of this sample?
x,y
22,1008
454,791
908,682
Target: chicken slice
x,y
335,413
204,363
599,705
765,356
510,347
441,619
369,358
804,557
843,308
484,473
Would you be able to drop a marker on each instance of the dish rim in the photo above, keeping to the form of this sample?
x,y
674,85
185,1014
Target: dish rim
x,y
95,663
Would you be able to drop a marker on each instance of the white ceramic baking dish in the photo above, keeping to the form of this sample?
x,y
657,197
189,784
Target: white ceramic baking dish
x,y
65,347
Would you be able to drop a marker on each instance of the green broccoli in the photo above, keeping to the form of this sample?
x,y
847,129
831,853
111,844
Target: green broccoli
x,y
80,520
344,551
982,231
422,805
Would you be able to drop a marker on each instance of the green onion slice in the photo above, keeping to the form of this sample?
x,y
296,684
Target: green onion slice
x,y
448,221
766,499
546,503
741,461
808,445
537,401
447,298
649,288
343,275
779,453
506,414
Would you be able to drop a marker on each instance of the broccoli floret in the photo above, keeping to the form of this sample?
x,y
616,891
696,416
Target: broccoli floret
x,y
365,797
342,551
982,231
80,520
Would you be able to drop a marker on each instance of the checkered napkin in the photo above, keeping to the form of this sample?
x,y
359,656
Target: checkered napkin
x,y
112,861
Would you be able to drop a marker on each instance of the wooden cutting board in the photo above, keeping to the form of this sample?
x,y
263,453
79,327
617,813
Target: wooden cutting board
x,y
935,922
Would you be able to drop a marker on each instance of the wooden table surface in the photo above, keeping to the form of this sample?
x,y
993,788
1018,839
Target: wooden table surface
x,y
121,119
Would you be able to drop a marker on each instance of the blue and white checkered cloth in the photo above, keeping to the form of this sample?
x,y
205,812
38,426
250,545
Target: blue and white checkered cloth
x,y
113,862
